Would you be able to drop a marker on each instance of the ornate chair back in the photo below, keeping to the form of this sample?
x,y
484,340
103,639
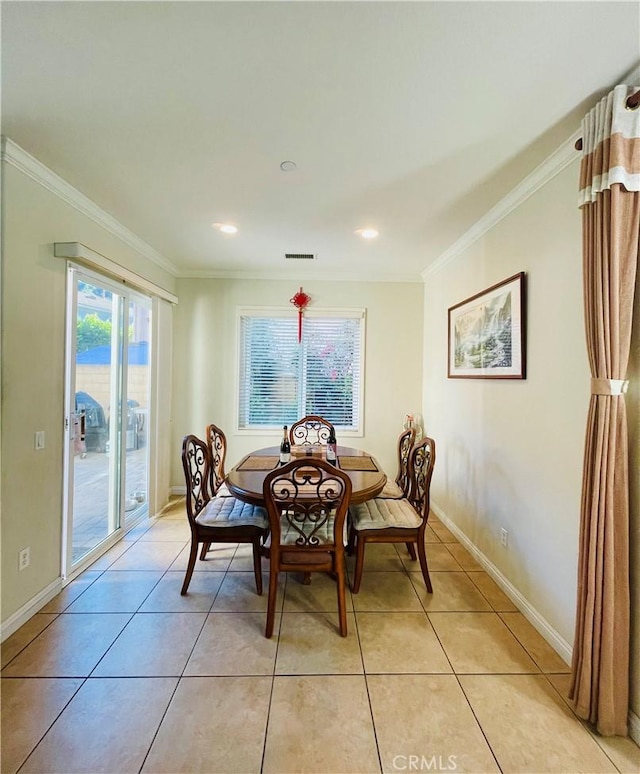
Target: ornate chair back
x,y
405,444
311,429
196,465
217,443
421,463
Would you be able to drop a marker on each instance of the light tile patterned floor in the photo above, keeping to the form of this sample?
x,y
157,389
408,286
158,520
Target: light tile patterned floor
x,y
120,673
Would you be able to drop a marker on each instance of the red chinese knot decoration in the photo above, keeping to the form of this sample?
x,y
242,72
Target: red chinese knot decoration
x,y
300,301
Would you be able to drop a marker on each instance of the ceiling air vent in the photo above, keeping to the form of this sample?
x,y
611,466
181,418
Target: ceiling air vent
x,y
300,256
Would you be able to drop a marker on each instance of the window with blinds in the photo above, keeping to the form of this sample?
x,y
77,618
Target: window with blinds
x,y
281,380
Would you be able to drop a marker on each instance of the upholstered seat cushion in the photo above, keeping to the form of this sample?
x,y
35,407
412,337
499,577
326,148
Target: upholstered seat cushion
x,y
391,491
382,514
229,512
295,553
290,535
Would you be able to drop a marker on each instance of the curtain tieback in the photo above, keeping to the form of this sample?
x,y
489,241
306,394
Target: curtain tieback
x,y
609,386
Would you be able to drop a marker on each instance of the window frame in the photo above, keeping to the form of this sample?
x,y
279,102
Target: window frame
x,y
351,313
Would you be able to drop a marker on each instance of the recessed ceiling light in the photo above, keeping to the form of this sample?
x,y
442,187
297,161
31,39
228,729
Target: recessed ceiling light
x,y
226,228
288,166
367,233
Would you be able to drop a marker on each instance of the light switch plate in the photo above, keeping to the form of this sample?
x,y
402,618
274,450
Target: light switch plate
x,y
39,440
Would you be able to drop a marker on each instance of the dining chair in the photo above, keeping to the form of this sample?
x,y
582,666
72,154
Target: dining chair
x,y
217,519
307,502
396,490
311,429
396,521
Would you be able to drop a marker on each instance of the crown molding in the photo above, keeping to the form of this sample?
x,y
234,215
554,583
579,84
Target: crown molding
x,y
288,275
19,158
540,176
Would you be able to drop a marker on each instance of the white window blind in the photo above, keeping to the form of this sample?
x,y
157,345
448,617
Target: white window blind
x,y
281,380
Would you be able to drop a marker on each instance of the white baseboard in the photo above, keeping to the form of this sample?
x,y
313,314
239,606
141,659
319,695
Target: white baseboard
x,y
21,616
634,727
178,490
557,642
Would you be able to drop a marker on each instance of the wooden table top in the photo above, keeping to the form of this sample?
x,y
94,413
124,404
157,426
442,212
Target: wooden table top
x,y
245,479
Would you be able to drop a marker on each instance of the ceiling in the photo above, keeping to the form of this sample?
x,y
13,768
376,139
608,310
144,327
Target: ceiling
x,y
413,118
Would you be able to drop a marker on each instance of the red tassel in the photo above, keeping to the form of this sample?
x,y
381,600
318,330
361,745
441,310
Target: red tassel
x,y
300,301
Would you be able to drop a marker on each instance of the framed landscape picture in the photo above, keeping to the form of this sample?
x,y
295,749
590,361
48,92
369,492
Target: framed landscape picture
x,y
487,333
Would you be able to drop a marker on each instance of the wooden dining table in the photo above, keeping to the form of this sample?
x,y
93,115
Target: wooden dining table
x,y
245,479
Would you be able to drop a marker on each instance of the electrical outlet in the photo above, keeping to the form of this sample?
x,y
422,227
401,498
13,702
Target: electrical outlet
x,y
39,440
24,557
504,537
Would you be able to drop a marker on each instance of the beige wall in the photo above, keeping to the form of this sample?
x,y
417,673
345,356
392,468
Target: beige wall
x,y
205,357
33,331
510,452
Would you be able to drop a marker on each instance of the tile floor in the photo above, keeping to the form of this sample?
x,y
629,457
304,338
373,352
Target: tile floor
x,y
119,673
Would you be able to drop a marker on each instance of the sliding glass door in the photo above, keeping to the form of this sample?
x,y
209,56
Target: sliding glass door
x,y
108,388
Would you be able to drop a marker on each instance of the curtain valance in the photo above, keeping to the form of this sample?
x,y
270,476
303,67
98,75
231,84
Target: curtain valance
x,y
610,145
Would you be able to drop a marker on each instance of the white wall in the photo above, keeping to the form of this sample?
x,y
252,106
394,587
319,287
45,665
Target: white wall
x,y
205,357
33,332
510,452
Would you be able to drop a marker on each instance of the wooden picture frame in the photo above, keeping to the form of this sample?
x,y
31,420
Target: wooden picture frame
x,y
487,333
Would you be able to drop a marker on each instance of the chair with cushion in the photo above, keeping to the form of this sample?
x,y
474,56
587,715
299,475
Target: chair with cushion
x,y
217,519
307,502
311,429
397,521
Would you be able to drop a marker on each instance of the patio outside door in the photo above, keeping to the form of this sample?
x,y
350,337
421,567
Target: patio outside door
x,y
108,389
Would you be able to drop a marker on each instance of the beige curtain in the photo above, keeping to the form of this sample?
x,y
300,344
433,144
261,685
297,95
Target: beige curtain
x,y
610,201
